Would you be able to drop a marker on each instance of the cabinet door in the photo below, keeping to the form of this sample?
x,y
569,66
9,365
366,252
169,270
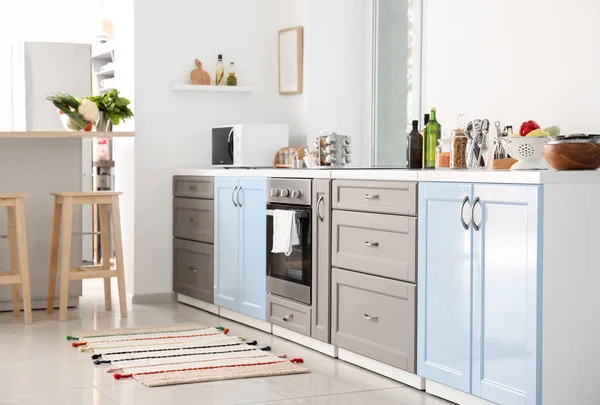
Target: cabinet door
x,y
252,239
226,243
506,294
193,269
444,285
321,259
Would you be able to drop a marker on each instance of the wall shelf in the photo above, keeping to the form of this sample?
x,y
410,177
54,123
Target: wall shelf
x,y
223,89
65,134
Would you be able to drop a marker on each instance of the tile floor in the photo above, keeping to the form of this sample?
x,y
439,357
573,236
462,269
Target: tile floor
x,y
38,366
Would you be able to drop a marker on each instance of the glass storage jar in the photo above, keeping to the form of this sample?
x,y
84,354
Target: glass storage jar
x,y
458,150
442,154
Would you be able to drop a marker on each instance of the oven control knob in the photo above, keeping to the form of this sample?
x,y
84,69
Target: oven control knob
x,y
296,193
274,192
284,192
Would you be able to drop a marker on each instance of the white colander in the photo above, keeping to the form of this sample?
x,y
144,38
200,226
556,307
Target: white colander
x,y
527,150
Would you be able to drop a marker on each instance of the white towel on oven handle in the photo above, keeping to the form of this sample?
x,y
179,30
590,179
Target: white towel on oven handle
x,y
285,231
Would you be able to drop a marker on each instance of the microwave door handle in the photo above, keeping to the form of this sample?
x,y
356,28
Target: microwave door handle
x,y
230,144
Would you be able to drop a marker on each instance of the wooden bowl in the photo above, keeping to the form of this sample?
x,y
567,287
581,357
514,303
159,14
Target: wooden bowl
x,y
573,156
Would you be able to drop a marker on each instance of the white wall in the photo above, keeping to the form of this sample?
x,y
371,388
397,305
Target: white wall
x,y
514,60
173,129
335,66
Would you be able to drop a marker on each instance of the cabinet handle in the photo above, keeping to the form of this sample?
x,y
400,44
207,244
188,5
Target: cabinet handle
x,y
192,188
192,220
237,197
288,318
475,226
321,200
462,209
193,270
232,193
372,196
372,244
371,318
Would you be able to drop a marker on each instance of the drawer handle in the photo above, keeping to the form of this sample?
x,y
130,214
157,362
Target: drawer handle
x,y
192,220
192,188
372,244
371,318
193,270
372,196
288,318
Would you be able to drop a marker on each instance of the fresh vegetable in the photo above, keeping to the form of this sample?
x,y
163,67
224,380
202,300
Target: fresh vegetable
x,y
69,105
553,131
538,133
88,127
527,127
114,107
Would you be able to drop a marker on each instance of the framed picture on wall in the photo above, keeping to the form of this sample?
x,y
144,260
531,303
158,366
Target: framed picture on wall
x,y
291,60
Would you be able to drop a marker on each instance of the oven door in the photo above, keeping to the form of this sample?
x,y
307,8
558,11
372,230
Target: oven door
x,y
291,276
222,146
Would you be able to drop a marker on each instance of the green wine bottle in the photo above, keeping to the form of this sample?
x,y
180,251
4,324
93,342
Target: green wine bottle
x,y
433,133
232,80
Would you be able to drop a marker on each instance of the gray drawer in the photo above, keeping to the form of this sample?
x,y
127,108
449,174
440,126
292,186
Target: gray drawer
x,y
193,219
383,245
375,317
288,314
389,197
193,187
193,269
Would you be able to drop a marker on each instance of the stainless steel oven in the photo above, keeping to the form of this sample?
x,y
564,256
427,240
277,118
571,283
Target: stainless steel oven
x,y
291,276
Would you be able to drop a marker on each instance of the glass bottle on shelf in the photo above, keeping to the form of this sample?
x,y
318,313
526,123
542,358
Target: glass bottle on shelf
x,y
442,153
232,80
414,147
220,72
433,133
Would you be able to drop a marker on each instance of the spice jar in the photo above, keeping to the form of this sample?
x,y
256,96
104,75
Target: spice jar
x,y
458,150
442,154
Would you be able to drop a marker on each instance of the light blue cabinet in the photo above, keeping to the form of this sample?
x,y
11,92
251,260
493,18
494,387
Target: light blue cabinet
x,y
240,245
479,289
253,247
507,294
444,285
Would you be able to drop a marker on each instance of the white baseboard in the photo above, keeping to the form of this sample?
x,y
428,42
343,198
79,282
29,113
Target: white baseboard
x,y
205,306
40,304
453,395
307,341
245,319
378,367
153,299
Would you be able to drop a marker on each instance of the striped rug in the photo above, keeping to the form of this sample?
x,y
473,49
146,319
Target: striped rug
x,y
180,354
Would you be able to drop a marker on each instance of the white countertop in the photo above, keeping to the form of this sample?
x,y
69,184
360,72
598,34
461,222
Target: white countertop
x,y
441,175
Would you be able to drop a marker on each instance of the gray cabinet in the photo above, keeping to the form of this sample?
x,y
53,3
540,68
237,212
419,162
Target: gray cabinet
x,y
389,197
193,219
375,317
193,237
193,187
321,259
193,269
289,314
378,244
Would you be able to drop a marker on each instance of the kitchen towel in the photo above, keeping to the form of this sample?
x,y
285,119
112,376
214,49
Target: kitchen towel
x,y
285,231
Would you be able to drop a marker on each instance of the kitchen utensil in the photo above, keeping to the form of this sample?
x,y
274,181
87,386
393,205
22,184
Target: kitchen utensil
x,y
573,152
462,121
499,152
527,150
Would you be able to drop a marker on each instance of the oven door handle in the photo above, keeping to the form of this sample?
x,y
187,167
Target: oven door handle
x,y
299,213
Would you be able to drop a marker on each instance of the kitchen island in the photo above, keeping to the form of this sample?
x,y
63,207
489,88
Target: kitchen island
x,y
38,163
506,275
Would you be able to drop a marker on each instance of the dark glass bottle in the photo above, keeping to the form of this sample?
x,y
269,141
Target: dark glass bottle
x,y
433,133
414,147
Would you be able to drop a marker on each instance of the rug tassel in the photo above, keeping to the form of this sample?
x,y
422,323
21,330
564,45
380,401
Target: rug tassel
x,y
221,328
96,356
77,344
85,349
98,362
253,343
118,376
241,338
266,349
297,360
282,356
72,338
226,331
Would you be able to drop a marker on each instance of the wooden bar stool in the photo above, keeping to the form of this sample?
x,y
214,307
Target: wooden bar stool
x,y
63,217
19,266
